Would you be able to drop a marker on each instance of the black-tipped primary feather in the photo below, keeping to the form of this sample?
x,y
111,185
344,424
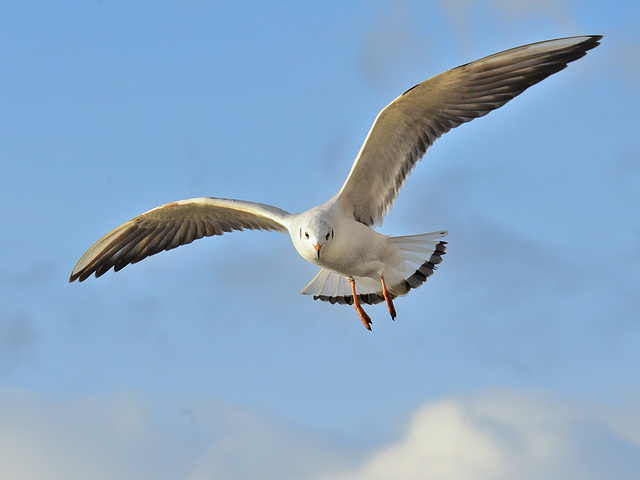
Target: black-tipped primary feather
x,y
172,225
404,129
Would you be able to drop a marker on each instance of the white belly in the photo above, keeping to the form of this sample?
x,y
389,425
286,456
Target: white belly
x,y
359,251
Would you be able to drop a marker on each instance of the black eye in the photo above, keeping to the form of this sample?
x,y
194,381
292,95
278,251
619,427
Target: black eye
x,y
327,237
306,234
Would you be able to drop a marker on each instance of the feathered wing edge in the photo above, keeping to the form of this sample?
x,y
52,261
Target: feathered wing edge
x,y
174,224
422,253
404,130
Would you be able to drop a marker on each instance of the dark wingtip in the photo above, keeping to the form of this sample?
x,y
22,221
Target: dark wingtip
x,y
77,277
592,41
73,277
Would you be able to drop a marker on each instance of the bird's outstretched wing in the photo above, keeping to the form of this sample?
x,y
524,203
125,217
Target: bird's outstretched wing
x,y
172,225
404,129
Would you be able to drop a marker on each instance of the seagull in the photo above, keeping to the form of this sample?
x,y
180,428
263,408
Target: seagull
x,y
358,264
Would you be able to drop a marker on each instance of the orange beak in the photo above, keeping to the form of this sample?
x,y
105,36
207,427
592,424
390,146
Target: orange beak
x,y
317,246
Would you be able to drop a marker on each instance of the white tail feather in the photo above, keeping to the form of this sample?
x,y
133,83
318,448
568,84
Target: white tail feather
x,y
421,254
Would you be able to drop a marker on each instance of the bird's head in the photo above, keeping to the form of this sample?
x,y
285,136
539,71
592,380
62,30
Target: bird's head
x,y
313,236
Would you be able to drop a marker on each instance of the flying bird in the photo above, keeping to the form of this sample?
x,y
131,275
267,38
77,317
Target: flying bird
x,y
358,264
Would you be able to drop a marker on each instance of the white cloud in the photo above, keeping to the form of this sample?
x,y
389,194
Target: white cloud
x,y
440,443
506,436
493,436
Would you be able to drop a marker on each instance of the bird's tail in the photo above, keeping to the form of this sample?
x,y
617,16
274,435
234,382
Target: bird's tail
x,y
422,253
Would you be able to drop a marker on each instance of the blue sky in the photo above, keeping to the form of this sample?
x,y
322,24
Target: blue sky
x,y
519,356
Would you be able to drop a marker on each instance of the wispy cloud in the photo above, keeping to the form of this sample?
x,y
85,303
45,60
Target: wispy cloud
x,y
17,339
124,436
498,435
392,38
466,15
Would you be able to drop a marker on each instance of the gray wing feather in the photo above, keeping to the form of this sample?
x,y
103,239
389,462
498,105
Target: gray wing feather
x,y
172,225
408,126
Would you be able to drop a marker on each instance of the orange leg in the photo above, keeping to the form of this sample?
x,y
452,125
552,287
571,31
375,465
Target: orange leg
x,y
356,303
387,297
